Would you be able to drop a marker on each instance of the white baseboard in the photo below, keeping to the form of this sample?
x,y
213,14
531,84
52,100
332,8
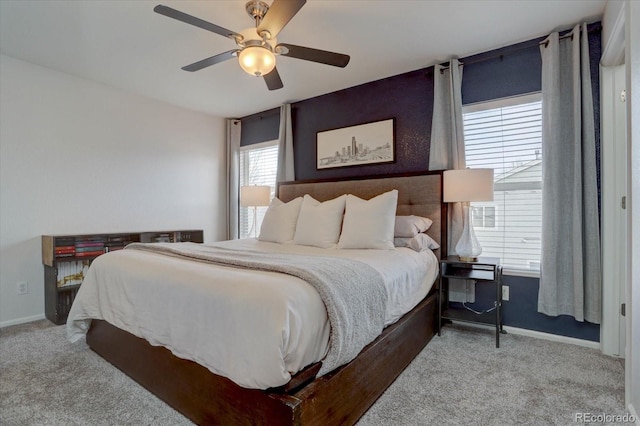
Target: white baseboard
x,y
21,320
539,335
553,337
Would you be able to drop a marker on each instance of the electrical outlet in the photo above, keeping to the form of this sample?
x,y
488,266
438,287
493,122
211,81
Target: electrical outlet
x,y
23,287
505,292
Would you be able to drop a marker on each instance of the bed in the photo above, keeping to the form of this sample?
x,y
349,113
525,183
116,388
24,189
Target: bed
x,y
340,396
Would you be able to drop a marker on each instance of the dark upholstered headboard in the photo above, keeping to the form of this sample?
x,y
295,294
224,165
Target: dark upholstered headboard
x,y
419,195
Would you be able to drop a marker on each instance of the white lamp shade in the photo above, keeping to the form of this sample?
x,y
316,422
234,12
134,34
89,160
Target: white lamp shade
x,y
468,185
255,196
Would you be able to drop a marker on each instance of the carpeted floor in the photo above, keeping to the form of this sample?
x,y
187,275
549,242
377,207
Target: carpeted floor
x,y
459,378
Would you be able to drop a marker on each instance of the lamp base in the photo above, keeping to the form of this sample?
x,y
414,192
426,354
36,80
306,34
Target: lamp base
x,y
468,247
253,226
468,259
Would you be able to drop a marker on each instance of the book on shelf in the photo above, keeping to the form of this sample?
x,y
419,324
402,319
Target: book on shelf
x,y
72,273
118,238
83,249
90,244
120,243
65,250
89,253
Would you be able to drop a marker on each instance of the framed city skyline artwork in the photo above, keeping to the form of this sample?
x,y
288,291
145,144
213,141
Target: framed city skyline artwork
x,y
368,143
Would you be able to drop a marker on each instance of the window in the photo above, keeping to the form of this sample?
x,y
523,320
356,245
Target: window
x,y
506,135
258,166
484,217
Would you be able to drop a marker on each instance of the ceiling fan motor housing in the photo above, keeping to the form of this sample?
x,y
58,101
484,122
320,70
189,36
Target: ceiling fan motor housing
x,y
257,9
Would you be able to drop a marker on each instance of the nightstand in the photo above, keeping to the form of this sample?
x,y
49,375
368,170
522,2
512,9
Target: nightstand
x,y
486,270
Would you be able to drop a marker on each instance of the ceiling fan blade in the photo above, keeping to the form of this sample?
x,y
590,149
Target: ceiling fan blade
x,y
181,16
279,14
315,55
273,80
211,61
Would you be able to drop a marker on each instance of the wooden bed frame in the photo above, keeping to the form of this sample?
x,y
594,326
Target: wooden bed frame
x,y
340,397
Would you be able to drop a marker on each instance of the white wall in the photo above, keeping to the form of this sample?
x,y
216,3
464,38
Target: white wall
x,y
632,53
633,91
80,157
613,33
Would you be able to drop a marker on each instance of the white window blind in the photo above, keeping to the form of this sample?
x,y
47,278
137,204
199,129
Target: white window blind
x,y
506,135
258,166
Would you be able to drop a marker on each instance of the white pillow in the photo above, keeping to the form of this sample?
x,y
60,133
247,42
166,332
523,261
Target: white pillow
x,y
319,223
418,243
410,226
279,223
369,224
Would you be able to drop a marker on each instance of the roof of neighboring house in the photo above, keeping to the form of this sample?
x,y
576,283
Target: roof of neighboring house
x,y
527,172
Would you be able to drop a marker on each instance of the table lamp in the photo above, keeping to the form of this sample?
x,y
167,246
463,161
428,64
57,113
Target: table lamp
x,y
255,196
466,185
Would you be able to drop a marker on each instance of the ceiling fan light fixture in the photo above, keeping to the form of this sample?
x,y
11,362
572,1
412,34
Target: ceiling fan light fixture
x,y
257,60
257,46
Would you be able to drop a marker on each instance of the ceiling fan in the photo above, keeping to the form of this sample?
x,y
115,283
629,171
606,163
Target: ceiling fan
x,y
257,47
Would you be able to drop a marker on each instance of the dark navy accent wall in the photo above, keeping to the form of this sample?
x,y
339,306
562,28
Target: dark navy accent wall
x,y
406,97
508,71
522,310
595,50
260,127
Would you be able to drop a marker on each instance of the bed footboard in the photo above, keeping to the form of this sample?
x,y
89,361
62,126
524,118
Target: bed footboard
x,y
340,397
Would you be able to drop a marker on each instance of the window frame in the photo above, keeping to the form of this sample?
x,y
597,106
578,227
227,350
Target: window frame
x,y
484,216
243,176
502,103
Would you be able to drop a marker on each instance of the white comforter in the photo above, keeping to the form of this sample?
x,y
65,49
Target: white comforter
x,y
256,328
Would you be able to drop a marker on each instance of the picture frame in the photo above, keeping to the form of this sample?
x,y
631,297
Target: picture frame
x,y
363,144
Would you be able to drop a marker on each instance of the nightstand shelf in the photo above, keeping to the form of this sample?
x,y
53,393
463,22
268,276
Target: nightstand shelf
x,y
486,270
465,315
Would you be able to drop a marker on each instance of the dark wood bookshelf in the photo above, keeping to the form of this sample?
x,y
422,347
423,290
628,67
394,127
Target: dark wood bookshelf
x,y
58,297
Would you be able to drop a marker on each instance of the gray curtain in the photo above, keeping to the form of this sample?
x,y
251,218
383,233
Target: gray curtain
x,y
233,178
447,135
447,151
285,170
570,278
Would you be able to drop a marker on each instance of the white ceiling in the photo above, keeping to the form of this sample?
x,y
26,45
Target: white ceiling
x,y
124,44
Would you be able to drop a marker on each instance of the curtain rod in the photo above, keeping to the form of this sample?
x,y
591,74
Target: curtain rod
x,y
261,115
545,43
570,34
486,58
595,28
